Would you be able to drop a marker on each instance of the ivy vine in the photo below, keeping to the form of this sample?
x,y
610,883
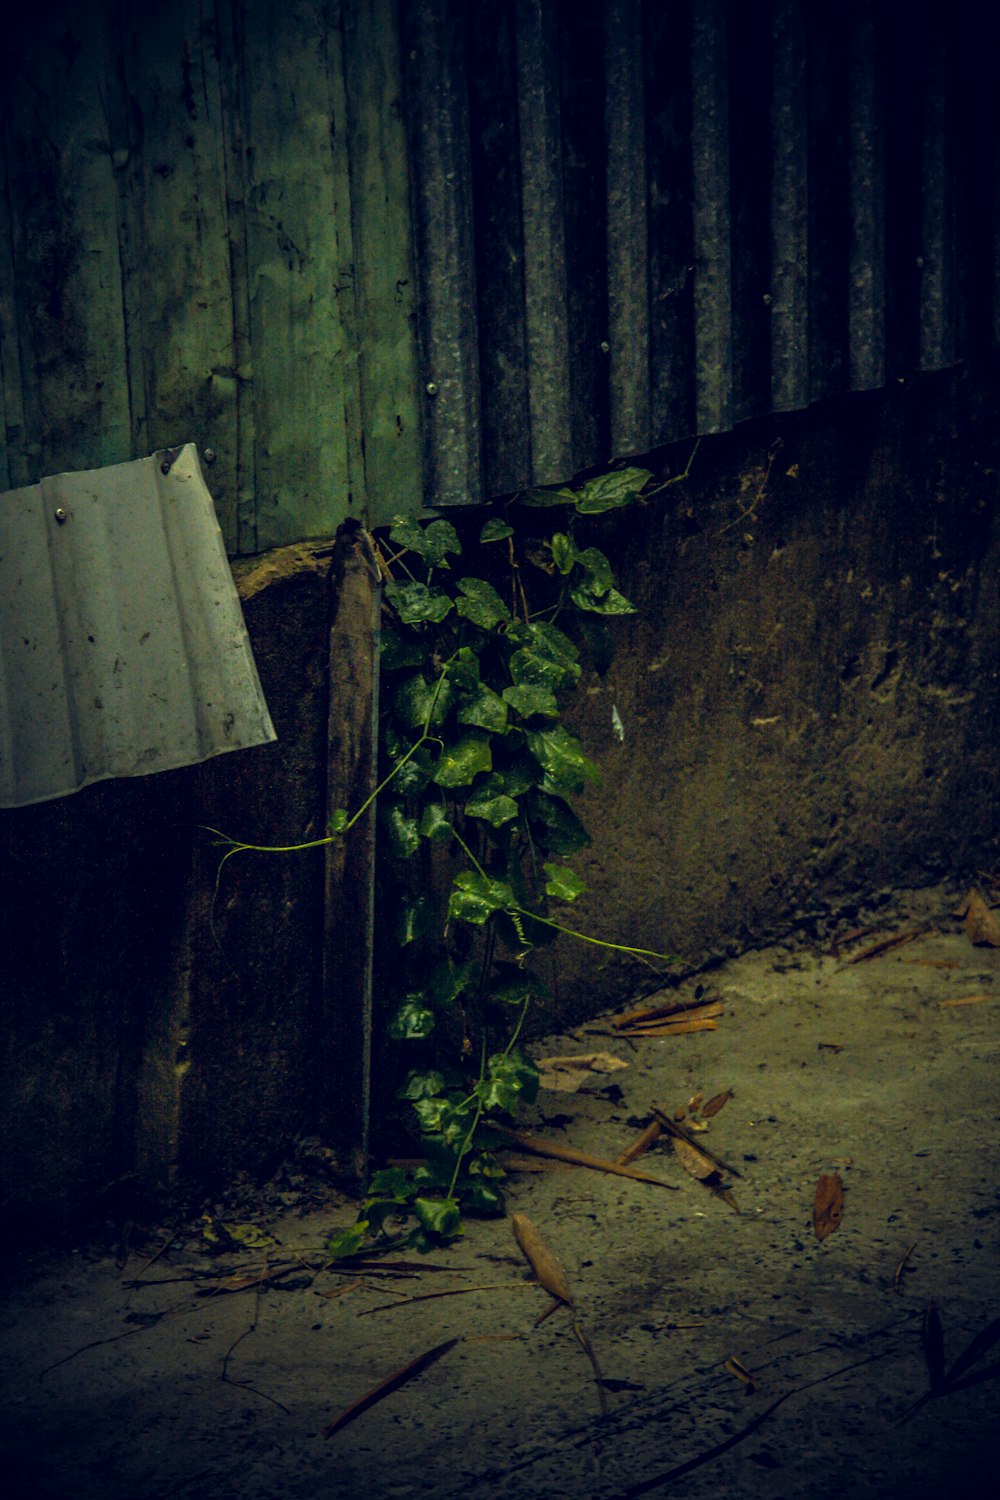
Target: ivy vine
x,y
477,780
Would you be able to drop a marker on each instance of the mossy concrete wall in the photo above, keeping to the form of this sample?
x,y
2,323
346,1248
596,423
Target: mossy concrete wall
x,y
810,691
810,703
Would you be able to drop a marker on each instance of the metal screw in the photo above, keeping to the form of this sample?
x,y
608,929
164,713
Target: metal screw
x,y
209,455
431,388
61,516
165,467
605,347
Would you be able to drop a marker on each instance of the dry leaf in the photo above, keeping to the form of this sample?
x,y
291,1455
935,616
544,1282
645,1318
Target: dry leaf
x,y
671,1028
576,1158
385,1387
566,1074
965,1000
887,944
715,1103
828,1204
735,1367
545,1265
693,1160
981,925
642,1143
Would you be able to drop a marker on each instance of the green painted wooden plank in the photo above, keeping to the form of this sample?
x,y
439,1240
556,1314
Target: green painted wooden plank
x,y
301,267
175,174
384,282
72,409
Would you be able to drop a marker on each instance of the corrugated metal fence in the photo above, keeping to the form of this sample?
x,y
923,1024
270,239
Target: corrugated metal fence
x,y
497,242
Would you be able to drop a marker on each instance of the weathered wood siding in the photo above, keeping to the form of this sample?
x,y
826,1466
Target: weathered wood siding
x,y
189,190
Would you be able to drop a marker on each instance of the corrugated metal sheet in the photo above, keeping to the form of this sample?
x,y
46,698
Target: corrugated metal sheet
x,y
374,253
122,643
637,221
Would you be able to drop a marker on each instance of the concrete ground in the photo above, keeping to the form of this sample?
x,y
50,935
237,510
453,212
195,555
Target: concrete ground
x,y
740,1356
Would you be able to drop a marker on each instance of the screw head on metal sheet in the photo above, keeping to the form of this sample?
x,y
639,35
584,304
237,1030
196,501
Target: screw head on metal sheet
x,y
431,388
605,347
208,454
60,515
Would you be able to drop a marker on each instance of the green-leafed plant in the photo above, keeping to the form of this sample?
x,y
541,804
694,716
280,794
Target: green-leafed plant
x,y
478,777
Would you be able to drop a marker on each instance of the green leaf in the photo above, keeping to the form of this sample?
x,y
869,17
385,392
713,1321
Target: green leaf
x,y
432,541
439,1216
447,980
485,1164
338,821
531,698
426,1084
558,752
564,551
545,657
490,802
435,1112
397,650
510,1079
481,603
404,835
496,530
434,823
474,898
348,1241
460,763
415,699
607,602
538,498
518,773
555,825
415,603
481,1197
463,669
391,1182
596,566
562,882
413,774
610,491
484,708
412,1021
521,987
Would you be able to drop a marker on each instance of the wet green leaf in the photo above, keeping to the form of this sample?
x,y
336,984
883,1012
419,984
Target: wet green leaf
x,y
415,603
448,980
481,603
338,821
495,530
391,1182
434,823
597,568
414,919
415,698
348,1241
558,752
397,650
432,542
610,491
531,698
460,763
439,1216
404,835
412,1021
563,883
474,897
510,1078
463,669
564,551
545,656
414,773
422,1084
536,498
606,602
481,1197
555,825
490,802
484,708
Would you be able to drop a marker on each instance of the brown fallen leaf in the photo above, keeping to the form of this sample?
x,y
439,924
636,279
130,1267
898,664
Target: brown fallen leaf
x,y
680,1131
566,1074
676,1028
715,1104
707,1010
934,963
388,1385
734,1366
576,1158
642,1143
546,1266
828,1205
981,925
965,1000
694,1160
650,1013
898,940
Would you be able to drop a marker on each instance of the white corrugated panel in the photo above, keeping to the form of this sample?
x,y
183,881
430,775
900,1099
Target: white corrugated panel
x,y
122,643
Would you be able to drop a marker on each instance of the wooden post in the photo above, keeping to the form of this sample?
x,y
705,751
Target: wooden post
x,y
349,896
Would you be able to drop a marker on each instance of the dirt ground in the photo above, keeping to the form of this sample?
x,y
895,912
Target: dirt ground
x,y
141,1381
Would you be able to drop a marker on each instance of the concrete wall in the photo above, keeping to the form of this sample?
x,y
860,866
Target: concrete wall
x,y
811,704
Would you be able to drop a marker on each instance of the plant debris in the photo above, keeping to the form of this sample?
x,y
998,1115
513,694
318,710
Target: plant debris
x,y
828,1205
982,927
388,1385
566,1074
576,1158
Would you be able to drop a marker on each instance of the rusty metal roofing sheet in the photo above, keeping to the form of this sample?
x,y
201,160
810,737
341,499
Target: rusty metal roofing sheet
x,y
122,643
635,221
